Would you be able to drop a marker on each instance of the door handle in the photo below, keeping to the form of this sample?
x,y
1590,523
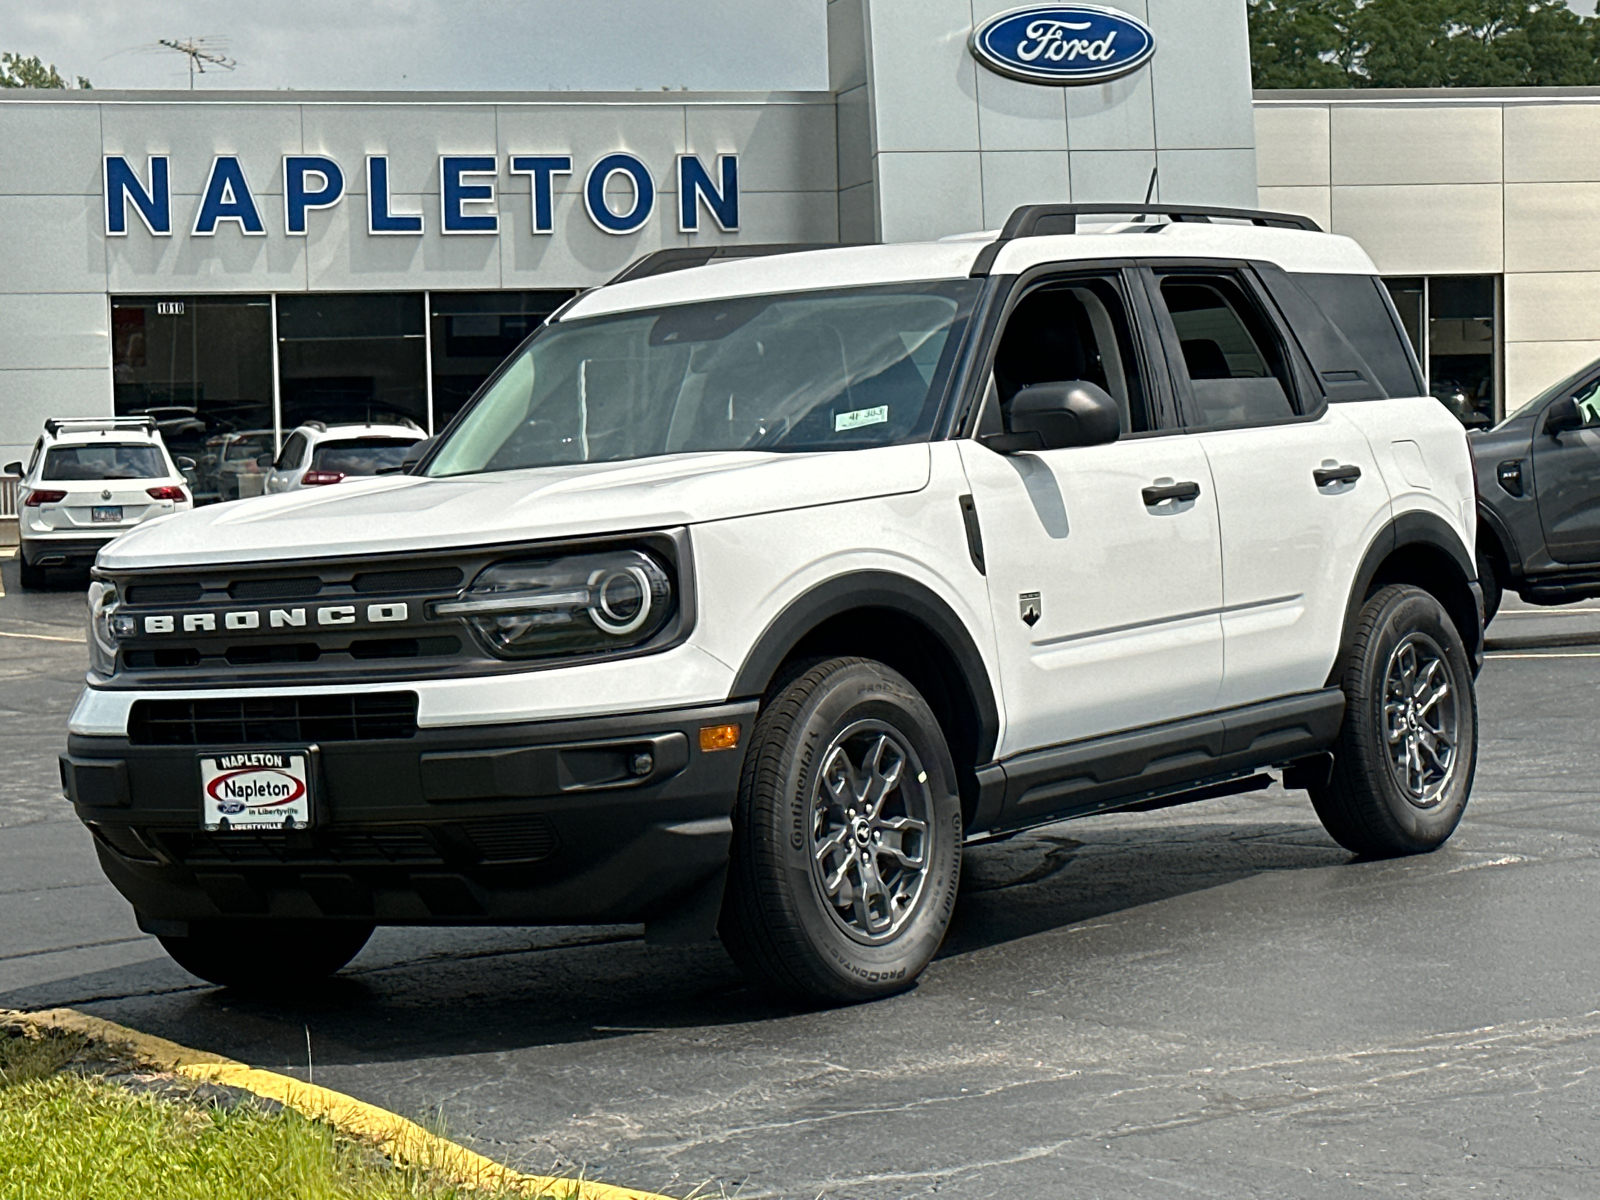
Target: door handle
x,y
1156,493
1331,475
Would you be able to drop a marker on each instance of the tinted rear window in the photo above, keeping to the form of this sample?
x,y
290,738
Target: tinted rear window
x,y
1356,304
103,460
360,456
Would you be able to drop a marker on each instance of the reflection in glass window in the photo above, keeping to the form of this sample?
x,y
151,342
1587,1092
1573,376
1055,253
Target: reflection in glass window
x,y
352,359
1451,322
472,333
200,365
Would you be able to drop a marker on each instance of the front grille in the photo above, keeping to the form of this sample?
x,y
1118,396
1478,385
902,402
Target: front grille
x,y
512,839
525,838
376,845
267,720
435,579
163,593
297,588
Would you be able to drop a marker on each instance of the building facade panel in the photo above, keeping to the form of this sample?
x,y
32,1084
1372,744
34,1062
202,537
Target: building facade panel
x,y
193,135
55,330
1414,144
1201,75
1550,226
31,395
1552,143
1556,307
51,244
410,136
1018,177
1292,147
1422,229
49,150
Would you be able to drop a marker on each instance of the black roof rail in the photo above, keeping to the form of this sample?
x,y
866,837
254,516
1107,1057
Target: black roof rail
x,y
54,425
680,258
1052,220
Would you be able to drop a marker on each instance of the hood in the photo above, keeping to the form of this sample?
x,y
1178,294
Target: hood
x,y
399,513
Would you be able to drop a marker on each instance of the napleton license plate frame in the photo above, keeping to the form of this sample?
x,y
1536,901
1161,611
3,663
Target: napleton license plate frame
x,y
97,514
273,763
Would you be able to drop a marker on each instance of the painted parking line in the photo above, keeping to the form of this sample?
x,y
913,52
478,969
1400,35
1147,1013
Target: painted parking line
x,y
404,1142
44,637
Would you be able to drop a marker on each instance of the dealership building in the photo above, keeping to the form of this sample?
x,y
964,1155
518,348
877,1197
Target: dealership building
x,y
233,261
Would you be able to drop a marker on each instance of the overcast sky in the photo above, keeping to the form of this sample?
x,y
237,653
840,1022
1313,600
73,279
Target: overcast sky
x,y
510,45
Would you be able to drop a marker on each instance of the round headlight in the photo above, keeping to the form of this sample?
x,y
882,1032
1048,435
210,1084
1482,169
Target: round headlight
x,y
576,604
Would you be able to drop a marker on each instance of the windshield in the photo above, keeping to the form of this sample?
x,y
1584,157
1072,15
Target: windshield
x,y
103,460
1570,386
834,370
361,456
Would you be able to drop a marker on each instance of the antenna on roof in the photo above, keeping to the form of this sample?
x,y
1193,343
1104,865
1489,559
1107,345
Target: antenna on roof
x,y
201,51
1150,192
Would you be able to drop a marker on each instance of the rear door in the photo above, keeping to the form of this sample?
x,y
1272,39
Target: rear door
x,y
1566,474
1298,491
106,484
1104,593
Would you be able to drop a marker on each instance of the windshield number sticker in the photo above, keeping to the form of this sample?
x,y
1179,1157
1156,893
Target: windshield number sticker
x,y
860,417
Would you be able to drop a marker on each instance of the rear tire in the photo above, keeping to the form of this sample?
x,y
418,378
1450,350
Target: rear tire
x,y
266,956
31,578
1405,757
1493,590
846,838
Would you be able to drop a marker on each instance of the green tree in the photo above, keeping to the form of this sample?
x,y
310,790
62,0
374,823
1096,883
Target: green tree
x,y
1422,44
19,72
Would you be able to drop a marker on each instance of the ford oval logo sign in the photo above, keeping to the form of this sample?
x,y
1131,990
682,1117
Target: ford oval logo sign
x,y
1063,43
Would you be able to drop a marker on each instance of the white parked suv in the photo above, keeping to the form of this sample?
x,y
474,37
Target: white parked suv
x,y
317,454
752,587
87,481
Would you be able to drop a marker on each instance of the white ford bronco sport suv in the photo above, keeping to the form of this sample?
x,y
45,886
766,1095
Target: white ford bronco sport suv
x,y
754,585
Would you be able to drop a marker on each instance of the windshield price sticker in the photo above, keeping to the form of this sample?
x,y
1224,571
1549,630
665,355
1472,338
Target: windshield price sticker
x,y
263,789
860,417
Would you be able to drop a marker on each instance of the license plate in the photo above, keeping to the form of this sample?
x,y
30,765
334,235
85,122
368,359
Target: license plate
x,y
106,514
255,789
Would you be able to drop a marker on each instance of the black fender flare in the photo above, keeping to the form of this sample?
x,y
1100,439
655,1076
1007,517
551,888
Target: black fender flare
x,y
1488,518
1419,529
878,590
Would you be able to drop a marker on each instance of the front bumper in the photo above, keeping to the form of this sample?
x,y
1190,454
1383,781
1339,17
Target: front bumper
x,y
541,824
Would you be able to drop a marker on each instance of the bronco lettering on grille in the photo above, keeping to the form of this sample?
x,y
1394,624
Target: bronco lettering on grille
x,y
244,620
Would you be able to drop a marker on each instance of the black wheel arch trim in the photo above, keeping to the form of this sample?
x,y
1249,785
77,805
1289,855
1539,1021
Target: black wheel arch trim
x,y
1502,534
1418,529
878,590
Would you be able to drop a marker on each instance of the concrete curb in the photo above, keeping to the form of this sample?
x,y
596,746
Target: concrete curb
x,y
404,1142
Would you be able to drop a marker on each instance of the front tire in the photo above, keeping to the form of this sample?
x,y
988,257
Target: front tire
x,y
266,956
1493,590
1406,754
846,838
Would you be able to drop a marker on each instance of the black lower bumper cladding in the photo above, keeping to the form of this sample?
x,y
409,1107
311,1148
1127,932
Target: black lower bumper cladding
x,y
616,819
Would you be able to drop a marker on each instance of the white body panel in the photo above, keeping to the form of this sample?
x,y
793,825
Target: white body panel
x,y
1129,632
391,513
1290,549
1426,462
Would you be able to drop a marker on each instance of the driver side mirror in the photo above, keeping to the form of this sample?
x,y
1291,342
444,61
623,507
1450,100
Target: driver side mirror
x,y
186,463
14,469
415,453
265,461
1562,416
1058,416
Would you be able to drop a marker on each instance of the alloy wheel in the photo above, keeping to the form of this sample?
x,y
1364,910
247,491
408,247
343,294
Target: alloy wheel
x,y
1420,719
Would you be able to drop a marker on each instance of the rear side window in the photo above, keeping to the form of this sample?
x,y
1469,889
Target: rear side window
x,y
1359,308
1238,371
64,464
360,456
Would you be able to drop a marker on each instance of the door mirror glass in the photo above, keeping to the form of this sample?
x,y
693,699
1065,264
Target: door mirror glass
x,y
186,464
1057,416
264,461
14,468
414,454
1561,416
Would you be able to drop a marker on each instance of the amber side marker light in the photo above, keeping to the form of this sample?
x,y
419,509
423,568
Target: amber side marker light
x,y
719,737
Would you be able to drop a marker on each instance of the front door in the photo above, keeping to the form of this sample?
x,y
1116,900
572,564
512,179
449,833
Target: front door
x,y
1566,476
1103,563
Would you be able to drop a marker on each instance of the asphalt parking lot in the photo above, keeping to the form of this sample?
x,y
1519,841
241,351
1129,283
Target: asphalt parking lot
x,y
1214,1000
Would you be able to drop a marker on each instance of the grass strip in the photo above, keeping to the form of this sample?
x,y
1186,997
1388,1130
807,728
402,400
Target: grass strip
x,y
77,1120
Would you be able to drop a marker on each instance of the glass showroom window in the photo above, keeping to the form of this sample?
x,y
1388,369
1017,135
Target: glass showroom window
x,y
352,358
472,333
201,365
1454,326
